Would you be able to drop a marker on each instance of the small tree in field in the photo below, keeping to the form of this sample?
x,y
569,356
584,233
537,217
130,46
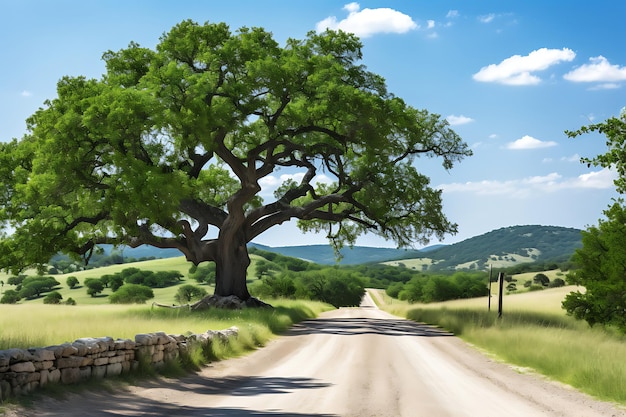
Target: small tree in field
x,y
187,293
541,279
94,286
10,297
54,297
71,282
170,148
203,273
131,294
34,286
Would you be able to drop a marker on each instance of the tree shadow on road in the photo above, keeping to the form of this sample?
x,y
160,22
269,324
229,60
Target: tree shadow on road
x,y
362,326
246,386
122,403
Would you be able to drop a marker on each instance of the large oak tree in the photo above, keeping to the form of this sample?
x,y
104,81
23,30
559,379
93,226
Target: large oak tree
x,y
169,147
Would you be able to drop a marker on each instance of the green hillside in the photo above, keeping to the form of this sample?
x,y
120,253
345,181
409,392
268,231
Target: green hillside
x,y
505,247
324,254
161,295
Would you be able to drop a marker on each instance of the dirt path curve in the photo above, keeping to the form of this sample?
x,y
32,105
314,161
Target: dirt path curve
x,y
349,362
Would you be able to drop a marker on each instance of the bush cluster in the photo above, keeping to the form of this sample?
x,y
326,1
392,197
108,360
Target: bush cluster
x,y
28,287
131,285
330,285
427,288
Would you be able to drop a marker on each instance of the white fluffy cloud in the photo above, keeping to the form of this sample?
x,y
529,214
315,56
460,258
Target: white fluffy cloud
x,y
368,22
486,18
519,70
529,186
528,142
458,120
597,179
26,93
599,70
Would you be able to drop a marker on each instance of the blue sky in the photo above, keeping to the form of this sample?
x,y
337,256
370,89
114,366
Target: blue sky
x,y
510,77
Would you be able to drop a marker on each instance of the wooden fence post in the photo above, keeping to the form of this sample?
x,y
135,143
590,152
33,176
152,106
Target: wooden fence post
x,y
501,291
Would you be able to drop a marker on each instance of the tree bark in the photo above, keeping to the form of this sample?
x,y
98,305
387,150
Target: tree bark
x,y
231,266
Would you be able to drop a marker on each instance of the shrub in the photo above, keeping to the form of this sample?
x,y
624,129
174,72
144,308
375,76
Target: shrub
x,y
203,274
115,282
16,280
34,286
394,289
186,293
106,280
413,290
541,279
277,286
137,276
440,289
428,288
54,297
132,294
166,278
262,269
344,290
557,282
70,301
94,286
10,297
71,282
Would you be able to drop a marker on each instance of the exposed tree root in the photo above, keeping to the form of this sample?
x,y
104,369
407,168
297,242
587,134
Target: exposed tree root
x,y
230,302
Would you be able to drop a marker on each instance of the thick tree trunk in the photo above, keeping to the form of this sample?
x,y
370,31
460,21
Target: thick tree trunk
x,y
231,266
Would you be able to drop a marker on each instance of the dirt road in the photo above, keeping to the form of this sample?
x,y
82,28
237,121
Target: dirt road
x,y
349,362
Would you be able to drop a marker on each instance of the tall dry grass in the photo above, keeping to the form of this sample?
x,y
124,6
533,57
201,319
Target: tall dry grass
x,y
32,325
533,333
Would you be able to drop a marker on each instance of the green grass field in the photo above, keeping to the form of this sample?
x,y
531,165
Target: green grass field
x,y
535,334
38,325
30,323
161,295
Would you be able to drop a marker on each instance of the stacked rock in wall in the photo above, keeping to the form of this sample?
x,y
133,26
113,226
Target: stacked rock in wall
x,y
23,370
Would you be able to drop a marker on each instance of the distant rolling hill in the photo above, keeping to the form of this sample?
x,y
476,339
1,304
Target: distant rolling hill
x,y
501,247
506,246
324,254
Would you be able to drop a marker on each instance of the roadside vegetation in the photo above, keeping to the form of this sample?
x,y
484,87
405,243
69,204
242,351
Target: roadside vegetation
x,y
534,334
39,324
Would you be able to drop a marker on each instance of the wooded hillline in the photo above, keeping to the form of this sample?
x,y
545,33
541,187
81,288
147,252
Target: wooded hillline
x,y
541,243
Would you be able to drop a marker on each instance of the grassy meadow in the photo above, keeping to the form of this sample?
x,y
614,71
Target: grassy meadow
x,y
36,325
533,334
161,295
30,323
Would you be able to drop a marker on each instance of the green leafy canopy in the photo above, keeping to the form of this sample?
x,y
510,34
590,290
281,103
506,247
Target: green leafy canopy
x,y
173,142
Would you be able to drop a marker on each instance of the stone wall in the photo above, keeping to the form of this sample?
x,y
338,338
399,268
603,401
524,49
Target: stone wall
x,y
24,370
